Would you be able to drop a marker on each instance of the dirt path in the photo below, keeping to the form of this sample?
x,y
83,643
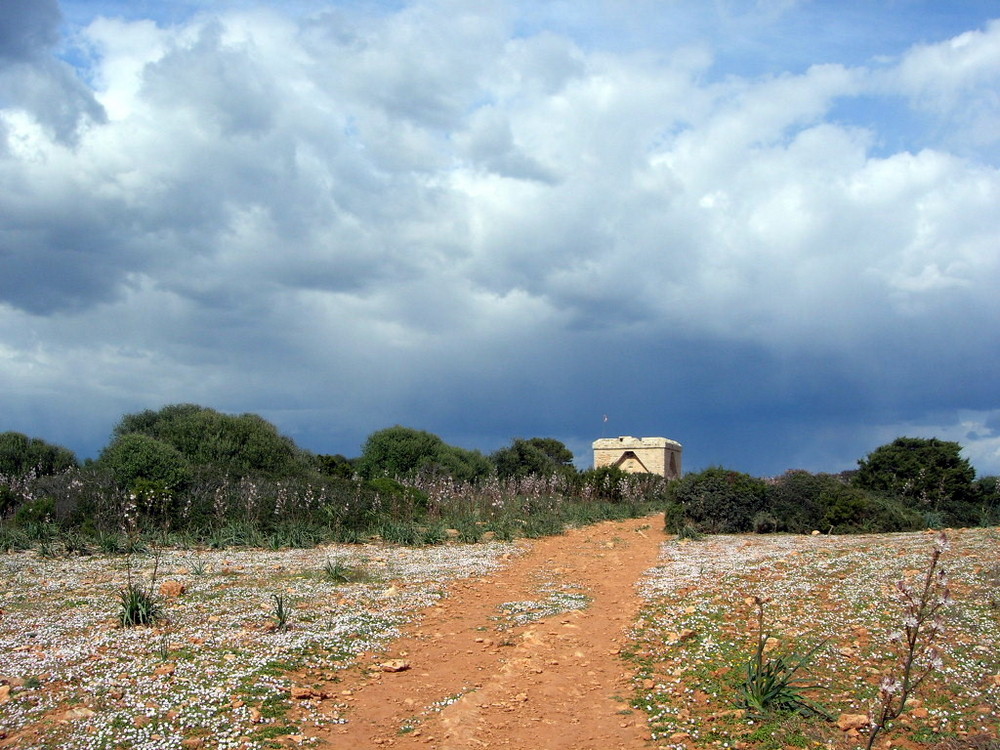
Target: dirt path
x,y
476,682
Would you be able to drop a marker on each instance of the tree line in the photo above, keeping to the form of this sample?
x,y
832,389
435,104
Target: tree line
x,y
204,476
189,474
906,485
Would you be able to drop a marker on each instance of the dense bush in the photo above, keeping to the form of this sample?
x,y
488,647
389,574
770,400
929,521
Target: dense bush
x,y
847,509
21,455
134,457
795,502
927,474
715,501
399,452
988,502
539,456
239,445
189,474
335,466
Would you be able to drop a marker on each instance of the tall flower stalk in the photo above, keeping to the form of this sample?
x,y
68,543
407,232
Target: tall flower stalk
x,y
918,655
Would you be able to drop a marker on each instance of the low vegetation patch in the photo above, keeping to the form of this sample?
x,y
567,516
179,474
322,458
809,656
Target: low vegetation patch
x,y
702,624
232,626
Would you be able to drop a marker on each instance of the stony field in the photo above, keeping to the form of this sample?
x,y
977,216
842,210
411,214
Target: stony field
x,y
699,627
216,666
218,671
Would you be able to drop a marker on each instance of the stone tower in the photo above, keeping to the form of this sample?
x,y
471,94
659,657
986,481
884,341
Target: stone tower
x,y
650,455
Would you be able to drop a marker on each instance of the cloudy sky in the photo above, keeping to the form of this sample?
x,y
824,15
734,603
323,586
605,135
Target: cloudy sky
x,y
768,230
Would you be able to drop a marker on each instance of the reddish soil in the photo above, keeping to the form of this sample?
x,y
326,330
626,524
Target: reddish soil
x,y
554,683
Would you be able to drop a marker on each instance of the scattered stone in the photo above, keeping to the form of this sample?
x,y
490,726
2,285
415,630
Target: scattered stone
x,y
394,665
672,637
172,589
847,722
77,713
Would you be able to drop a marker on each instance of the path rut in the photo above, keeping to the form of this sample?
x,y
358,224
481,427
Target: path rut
x,y
476,682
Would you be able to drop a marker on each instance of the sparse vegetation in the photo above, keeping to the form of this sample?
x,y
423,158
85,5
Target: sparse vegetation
x,y
690,643
139,604
192,679
918,655
772,683
282,612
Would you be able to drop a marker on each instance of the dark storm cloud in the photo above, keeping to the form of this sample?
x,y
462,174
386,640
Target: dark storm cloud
x,y
481,221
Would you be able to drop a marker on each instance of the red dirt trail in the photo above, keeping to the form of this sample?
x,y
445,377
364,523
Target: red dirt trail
x,y
554,683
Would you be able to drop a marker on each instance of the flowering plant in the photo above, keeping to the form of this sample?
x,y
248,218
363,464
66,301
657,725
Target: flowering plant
x,y
918,655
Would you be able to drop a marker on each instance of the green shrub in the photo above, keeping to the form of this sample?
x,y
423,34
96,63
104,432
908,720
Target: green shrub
x,y
282,612
239,445
764,523
848,510
339,572
603,483
21,455
13,539
404,452
137,606
772,683
538,456
396,531
928,474
545,524
715,501
399,500
335,466
793,500
135,458
34,512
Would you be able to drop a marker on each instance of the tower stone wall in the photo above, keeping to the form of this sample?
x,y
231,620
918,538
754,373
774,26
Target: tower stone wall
x,y
651,455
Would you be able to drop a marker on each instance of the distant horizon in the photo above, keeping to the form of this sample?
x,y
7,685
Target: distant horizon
x,y
581,460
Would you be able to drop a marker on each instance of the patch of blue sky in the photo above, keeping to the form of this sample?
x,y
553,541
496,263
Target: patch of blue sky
x,y
755,38
894,126
79,13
